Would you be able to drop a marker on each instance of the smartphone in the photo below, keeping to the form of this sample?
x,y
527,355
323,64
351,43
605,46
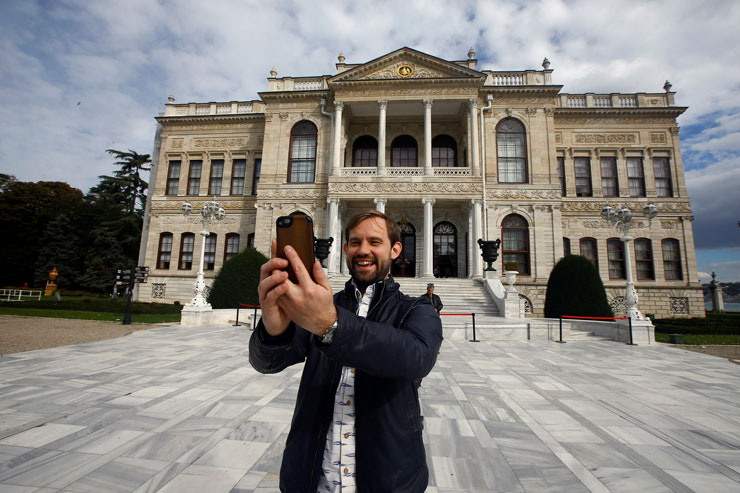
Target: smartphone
x,y
296,231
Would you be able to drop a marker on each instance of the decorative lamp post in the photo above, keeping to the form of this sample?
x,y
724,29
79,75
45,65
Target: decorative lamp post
x,y
621,219
322,248
211,213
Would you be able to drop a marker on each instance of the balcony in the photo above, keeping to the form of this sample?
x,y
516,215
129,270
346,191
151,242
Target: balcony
x,y
615,100
403,172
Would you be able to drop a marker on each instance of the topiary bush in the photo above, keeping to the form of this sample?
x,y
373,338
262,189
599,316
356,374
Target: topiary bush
x,y
575,288
237,280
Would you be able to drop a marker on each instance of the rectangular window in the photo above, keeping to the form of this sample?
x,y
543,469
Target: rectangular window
x,y
672,260
609,185
303,159
165,251
615,251
232,246
187,241
217,174
583,177
173,178
210,255
588,250
250,240
566,246
196,166
561,174
662,170
644,259
636,175
237,176
256,175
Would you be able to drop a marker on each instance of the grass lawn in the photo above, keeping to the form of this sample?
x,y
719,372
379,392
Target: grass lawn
x,y
703,339
144,318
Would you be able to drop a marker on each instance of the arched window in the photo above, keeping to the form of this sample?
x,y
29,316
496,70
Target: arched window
x,y
672,260
403,152
512,151
210,255
644,259
590,251
515,244
365,152
187,242
232,246
615,252
445,249
444,151
405,263
165,251
302,160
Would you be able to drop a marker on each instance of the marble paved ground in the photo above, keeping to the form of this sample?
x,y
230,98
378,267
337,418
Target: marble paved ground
x,y
179,409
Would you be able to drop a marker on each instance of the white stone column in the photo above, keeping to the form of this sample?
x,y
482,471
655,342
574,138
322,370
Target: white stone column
x,y
336,161
332,231
475,150
476,230
428,171
382,105
428,269
380,205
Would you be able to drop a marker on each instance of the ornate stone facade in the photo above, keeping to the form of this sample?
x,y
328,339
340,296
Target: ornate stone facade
x,y
453,153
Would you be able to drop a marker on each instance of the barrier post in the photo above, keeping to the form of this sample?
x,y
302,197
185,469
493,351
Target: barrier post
x,y
561,341
237,317
474,339
631,343
254,321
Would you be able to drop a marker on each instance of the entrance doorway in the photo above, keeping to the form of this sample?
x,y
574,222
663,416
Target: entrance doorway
x,y
405,264
445,249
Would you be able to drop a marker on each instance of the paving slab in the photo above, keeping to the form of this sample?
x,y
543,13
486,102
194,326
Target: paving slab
x,y
180,409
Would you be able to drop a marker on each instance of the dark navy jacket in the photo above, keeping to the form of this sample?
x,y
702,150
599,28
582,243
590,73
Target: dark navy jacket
x,y
392,349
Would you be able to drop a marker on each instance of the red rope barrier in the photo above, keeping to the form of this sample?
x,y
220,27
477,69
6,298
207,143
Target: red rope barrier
x,y
250,306
453,314
596,318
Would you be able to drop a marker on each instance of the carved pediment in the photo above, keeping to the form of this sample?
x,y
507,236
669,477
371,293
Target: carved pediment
x,y
407,64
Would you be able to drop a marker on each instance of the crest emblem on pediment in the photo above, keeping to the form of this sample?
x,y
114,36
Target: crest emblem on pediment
x,y
407,64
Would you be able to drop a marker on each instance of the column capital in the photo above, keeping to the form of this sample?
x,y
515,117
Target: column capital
x,y
383,103
428,201
476,201
332,200
473,102
427,102
380,201
338,105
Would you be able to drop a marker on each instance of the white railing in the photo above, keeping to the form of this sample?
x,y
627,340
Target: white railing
x,y
451,171
576,101
364,171
202,109
244,108
513,79
405,171
627,101
308,85
17,294
602,101
223,109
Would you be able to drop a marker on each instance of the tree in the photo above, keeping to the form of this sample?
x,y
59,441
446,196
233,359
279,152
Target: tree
x,y
129,180
104,258
59,248
237,280
575,288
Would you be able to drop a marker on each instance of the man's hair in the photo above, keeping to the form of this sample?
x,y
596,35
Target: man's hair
x,y
394,232
430,285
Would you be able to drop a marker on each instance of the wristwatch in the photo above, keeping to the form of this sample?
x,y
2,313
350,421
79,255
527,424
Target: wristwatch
x,y
329,334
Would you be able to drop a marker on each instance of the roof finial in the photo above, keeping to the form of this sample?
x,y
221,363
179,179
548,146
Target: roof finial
x,y
471,53
546,63
341,57
667,86
273,73
171,99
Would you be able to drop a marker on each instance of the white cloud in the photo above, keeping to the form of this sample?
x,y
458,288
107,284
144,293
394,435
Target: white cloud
x,y
726,271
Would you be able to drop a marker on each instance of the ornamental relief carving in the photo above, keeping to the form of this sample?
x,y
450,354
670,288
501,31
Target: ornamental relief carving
x,y
558,138
542,101
230,206
577,120
604,138
658,138
291,193
391,72
668,224
406,188
598,224
411,92
177,143
635,207
523,194
209,126
219,142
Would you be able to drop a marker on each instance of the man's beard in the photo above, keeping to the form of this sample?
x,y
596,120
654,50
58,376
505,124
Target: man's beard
x,y
363,279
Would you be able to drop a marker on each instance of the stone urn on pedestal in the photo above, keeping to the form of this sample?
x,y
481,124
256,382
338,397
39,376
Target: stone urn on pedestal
x,y
322,249
489,252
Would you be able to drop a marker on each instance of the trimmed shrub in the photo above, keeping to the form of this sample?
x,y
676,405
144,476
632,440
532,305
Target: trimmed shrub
x,y
237,280
575,288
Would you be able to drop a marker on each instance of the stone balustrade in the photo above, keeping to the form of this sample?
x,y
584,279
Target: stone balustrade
x,y
223,108
615,100
297,84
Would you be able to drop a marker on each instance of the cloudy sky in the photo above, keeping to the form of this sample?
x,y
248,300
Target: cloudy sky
x,y
82,76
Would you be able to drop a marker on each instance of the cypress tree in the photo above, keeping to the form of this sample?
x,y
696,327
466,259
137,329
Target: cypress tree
x,y
575,288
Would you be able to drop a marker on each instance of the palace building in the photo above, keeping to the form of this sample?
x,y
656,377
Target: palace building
x,y
452,153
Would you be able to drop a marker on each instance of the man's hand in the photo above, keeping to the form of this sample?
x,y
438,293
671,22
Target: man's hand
x,y
309,304
271,287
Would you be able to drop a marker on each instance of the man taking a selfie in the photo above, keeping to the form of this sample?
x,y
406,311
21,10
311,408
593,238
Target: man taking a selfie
x,y
357,425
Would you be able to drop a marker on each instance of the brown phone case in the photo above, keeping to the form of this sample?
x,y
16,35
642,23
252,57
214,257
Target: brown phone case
x,y
296,231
